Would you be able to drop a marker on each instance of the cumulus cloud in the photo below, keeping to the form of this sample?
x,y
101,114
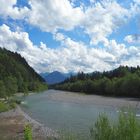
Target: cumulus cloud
x,y
99,20
51,15
104,18
71,56
133,39
58,36
9,8
13,40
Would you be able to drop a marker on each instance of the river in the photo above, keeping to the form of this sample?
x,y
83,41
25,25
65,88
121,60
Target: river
x,y
71,111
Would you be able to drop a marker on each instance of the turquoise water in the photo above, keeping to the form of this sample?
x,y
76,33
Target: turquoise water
x,y
65,115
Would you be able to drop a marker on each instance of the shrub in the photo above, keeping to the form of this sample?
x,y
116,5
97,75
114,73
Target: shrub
x,y
102,129
126,128
3,107
13,105
28,132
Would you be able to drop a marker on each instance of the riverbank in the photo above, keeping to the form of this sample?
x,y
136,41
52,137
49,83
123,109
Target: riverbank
x,y
12,125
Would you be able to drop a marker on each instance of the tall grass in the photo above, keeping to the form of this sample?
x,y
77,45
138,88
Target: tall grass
x,y
126,128
102,129
28,132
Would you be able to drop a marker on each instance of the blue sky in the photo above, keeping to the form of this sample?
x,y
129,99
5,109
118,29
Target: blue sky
x,y
72,35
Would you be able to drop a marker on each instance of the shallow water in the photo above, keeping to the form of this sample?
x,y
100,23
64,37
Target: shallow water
x,y
69,115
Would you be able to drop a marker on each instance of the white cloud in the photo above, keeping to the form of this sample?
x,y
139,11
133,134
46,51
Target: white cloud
x,y
133,39
99,20
71,56
104,18
58,36
52,15
13,40
137,1
8,8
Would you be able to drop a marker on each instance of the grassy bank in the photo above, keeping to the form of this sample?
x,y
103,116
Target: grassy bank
x,y
5,106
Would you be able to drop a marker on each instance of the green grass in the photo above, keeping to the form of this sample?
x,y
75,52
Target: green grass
x,y
3,107
28,132
7,105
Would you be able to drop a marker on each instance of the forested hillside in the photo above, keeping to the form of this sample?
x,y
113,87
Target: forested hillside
x,y
16,75
123,81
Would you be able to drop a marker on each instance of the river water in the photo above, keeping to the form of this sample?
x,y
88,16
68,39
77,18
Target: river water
x,y
68,111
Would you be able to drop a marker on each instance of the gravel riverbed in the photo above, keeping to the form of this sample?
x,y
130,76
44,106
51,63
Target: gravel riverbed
x,y
12,125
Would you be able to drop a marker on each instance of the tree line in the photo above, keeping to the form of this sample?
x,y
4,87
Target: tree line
x,y
123,81
16,75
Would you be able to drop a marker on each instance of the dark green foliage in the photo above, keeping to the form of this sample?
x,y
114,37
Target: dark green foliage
x,y
11,85
17,76
123,81
2,89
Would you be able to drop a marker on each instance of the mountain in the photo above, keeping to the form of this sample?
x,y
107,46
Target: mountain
x,y
16,75
43,75
54,77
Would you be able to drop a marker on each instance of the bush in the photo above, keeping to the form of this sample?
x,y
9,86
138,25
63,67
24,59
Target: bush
x,y
3,107
13,105
102,129
126,128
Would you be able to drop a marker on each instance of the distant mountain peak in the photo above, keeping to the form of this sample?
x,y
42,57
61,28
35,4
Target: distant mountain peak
x,y
54,77
56,72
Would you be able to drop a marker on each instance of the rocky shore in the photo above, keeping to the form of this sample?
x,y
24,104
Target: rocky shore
x,y
12,125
